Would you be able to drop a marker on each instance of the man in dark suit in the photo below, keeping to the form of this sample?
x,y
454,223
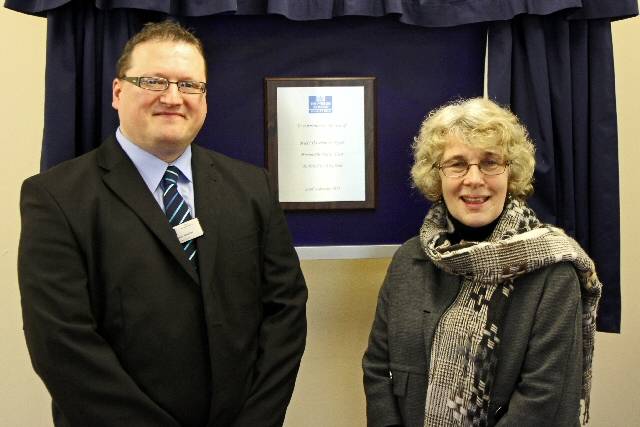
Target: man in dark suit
x,y
131,322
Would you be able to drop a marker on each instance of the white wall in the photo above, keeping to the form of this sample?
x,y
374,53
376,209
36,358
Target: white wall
x,y
23,399
342,293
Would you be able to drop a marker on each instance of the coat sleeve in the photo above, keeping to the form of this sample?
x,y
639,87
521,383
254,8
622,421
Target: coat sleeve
x,y
548,391
283,330
382,407
88,385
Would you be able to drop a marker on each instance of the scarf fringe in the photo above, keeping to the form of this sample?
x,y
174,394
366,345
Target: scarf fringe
x,y
585,414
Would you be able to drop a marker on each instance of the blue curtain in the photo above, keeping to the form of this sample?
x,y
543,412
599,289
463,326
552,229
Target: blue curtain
x,y
556,73
427,13
550,60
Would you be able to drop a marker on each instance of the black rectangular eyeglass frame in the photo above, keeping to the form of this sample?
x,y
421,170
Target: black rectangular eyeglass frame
x,y
137,80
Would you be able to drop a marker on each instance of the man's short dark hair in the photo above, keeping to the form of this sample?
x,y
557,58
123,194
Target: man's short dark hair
x,y
158,31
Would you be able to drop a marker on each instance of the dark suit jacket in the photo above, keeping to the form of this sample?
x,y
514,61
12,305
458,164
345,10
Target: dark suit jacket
x,y
122,328
538,379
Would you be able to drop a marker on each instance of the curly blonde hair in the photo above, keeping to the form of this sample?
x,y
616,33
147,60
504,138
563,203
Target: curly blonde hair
x,y
480,123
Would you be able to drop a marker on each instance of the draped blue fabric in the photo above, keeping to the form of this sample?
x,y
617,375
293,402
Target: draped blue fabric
x,y
557,76
427,13
549,60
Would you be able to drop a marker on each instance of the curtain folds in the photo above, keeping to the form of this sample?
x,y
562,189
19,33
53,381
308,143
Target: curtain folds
x,y
427,13
83,45
557,76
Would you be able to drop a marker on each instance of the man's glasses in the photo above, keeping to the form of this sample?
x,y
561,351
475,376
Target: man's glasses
x,y
160,84
459,168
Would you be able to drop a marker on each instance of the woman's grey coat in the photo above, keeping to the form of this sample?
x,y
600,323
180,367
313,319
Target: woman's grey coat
x,y
539,374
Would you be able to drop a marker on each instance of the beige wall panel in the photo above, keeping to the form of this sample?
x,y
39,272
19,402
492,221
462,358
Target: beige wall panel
x,y
342,298
24,401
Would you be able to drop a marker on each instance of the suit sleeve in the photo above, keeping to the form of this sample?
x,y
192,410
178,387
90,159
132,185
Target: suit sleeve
x,y
382,407
79,368
550,385
284,326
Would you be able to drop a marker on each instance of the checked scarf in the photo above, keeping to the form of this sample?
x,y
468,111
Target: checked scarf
x,y
464,351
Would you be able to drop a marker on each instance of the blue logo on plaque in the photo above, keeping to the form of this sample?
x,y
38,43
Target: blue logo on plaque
x,y
320,104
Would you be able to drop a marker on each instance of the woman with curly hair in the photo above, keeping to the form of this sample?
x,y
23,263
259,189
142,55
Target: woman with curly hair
x,y
487,317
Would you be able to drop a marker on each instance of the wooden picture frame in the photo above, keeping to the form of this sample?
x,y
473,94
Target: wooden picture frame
x,y
320,141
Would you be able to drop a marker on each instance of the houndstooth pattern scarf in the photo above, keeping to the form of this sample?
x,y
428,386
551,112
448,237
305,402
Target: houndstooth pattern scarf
x,y
467,346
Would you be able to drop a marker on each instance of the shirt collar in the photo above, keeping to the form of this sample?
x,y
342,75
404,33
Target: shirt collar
x,y
149,166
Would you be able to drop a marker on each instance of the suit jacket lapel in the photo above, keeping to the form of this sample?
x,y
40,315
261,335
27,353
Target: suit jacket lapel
x,y
125,181
207,201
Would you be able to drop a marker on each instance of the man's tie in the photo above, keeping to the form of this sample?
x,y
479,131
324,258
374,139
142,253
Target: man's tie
x,y
176,208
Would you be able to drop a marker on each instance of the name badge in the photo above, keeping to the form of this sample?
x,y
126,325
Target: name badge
x,y
188,230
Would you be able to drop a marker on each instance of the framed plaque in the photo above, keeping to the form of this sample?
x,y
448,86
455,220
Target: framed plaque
x,y
321,141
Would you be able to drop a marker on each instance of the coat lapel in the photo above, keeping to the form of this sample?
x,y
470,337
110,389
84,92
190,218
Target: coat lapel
x,y
124,180
439,294
207,206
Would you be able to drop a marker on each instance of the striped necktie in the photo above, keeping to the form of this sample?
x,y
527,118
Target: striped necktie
x,y
176,208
